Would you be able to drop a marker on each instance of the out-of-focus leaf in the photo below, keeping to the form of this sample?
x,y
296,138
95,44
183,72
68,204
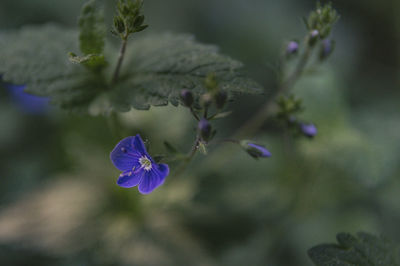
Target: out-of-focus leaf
x,y
361,250
158,67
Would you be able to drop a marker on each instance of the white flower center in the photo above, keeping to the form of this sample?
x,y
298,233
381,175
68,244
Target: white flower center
x,y
145,163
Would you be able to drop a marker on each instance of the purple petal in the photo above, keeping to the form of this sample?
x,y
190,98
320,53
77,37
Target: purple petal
x,y
28,103
310,130
130,179
139,145
262,149
124,156
154,178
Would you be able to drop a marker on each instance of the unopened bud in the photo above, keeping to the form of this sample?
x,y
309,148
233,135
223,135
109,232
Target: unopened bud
x,y
255,150
314,35
327,47
187,98
204,129
309,130
292,48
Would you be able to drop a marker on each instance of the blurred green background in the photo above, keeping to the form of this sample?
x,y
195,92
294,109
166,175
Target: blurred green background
x,y
59,204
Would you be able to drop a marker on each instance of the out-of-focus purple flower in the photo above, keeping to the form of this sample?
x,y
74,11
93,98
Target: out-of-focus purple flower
x,y
27,102
327,47
187,97
138,168
204,129
255,150
309,130
314,33
292,48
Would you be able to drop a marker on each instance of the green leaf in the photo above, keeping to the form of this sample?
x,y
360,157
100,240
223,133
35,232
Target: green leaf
x,y
36,56
155,70
92,29
158,67
361,250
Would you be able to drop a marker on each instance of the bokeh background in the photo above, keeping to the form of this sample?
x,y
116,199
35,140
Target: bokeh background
x,y
59,204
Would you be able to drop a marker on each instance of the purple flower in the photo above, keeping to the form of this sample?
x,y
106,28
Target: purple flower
x,y
27,102
205,129
292,47
308,130
327,47
255,150
137,166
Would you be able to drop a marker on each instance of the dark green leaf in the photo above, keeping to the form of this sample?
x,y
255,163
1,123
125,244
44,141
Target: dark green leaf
x,y
158,67
362,250
37,56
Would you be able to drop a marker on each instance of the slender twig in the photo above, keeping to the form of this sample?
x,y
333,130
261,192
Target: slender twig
x,y
188,158
257,120
120,60
194,114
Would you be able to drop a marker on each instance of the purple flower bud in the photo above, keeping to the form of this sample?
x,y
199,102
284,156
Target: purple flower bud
x,y
292,48
204,129
327,47
255,150
187,98
314,35
308,130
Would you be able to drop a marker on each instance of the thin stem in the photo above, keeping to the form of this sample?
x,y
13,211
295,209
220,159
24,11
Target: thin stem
x,y
194,114
257,120
120,59
188,158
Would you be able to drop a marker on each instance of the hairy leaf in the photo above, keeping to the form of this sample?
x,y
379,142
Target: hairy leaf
x,y
37,56
361,250
158,67
155,70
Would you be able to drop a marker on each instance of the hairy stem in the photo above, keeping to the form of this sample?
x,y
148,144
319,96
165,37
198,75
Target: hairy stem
x,y
257,120
188,158
120,60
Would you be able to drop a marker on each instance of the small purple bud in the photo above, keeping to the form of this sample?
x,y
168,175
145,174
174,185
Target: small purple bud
x,y
327,47
204,129
308,130
187,98
292,48
314,35
255,150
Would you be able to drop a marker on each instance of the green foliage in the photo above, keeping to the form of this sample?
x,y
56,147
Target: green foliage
x,y
92,29
129,18
322,19
36,56
91,37
157,68
361,250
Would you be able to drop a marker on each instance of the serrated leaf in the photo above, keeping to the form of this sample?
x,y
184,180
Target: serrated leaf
x,y
158,67
37,56
92,29
361,250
